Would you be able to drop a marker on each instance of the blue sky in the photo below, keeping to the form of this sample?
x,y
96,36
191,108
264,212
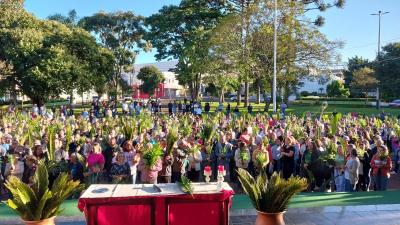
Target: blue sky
x,y
354,25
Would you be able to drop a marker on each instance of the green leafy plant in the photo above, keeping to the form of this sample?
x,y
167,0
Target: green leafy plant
x,y
172,137
261,159
39,202
271,196
186,185
186,127
128,128
152,155
329,155
244,155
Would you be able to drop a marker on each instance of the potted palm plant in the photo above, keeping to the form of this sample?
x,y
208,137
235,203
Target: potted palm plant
x,y
270,198
39,205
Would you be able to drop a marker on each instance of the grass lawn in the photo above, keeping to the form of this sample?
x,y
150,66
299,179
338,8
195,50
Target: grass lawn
x,y
303,200
299,109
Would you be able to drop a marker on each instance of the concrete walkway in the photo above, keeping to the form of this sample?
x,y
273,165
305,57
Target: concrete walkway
x,y
332,215
347,215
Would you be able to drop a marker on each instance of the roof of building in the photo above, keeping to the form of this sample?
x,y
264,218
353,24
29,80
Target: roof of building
x,y
162,66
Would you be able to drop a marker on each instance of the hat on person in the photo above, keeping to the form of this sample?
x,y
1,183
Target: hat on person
x,y
37,142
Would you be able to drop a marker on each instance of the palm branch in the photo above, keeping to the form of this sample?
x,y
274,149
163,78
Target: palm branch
x,y
271,196
186,185
172,137
39,202
152,155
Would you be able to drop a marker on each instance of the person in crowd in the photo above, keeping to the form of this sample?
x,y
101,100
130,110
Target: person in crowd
x,y
340,162
29,169
120,170
39,152
222,153
207,108
352,170
109,153
14,167
165,174
75,168
132,157
276,152
60,154
180,161
242,156
287,152
194,160
149,175
260,158
381,164
95,163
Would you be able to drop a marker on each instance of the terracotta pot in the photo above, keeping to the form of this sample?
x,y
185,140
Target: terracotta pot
x,y
49,221
270,218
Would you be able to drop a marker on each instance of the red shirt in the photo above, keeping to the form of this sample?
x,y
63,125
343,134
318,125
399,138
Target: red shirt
x,y
385,168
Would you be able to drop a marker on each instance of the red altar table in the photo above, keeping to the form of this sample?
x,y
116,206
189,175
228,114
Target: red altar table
x,y
140,204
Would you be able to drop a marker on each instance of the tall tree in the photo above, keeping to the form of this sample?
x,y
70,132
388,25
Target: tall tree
x,y
364,80
387,67
181,32
150,77
122,33
353,65
46,56
336,89
301,46
70,19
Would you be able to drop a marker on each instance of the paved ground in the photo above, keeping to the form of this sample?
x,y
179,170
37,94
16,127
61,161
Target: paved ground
x,y
331,218
335,215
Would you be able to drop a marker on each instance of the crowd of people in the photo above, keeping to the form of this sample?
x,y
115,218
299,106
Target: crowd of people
x,y
334,152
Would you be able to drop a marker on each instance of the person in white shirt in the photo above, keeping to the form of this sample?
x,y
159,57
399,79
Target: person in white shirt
x,y
59,154
124,108
194,159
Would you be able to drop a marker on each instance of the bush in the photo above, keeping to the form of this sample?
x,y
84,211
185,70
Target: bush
x,y
304,93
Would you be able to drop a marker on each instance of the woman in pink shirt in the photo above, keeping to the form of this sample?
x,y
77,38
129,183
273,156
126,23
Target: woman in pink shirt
x,y
95,163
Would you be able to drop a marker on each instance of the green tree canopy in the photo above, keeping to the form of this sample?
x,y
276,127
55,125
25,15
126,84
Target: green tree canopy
x,y
150,77
364,80
387,67
354,64
336,89
181,32
48,58
120,32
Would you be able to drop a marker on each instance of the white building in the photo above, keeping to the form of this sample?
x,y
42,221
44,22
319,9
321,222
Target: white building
x,y
171,85
319,83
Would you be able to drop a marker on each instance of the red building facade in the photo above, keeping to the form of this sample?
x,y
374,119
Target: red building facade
x,y
158,93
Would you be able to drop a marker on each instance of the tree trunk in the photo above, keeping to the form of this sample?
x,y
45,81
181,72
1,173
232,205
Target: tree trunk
x,y
71,98
246,93
267,103
222,97
258,93
239,95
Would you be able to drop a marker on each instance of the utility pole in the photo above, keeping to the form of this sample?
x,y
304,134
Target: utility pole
x,y
274,79
379,14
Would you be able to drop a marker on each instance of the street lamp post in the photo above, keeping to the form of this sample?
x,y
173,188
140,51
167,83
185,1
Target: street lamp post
x,y
274,79
379,14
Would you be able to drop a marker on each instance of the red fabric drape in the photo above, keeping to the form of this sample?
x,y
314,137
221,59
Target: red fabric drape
x,y
210,209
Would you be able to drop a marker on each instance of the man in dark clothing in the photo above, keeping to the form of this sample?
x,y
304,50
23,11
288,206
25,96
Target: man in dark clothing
x,y
207,108
109,154
170,106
